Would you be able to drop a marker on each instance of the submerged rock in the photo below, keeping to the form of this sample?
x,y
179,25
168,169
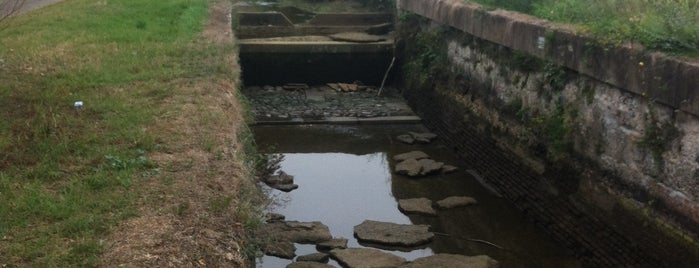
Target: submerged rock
x,y
453,261
366,258
417,205
456,201
393,234
417,155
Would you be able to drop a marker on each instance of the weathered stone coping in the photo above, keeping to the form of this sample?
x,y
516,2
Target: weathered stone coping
x,y
669,80
382,120
332,47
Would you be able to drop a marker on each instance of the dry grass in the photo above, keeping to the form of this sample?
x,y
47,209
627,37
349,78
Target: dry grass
x,y
189,213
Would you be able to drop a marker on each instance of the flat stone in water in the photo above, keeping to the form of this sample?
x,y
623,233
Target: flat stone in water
x,y
409,167
285,187
446,169
335,243
417,205
366,258
293,231
315,257
417,155
423,137
429,166
453,261
280,248
406,139
307,264
456,201
393,234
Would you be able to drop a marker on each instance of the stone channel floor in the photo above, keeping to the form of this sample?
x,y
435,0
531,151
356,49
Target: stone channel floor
x,y
298,104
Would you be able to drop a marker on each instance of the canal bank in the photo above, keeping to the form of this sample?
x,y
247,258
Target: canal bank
x,y
601,130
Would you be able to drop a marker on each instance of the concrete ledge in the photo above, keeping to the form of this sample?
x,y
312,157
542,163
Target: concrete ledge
x,y
337,19
385,120
245,32
669,80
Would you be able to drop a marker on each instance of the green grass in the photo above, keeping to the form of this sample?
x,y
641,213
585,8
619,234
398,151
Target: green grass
x,y
665,25
66,174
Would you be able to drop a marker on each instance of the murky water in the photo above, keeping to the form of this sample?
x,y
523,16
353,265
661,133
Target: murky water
x,y
344,177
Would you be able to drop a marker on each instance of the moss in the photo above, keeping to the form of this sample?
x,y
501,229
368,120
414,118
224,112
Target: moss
x,y
645,215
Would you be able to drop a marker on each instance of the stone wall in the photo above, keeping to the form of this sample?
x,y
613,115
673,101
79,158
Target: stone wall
x,y
622,120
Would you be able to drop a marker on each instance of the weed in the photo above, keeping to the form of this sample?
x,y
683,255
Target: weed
x,y
555,76
218,204
657,138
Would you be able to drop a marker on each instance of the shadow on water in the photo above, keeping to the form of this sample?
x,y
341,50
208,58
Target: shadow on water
x,y
344,177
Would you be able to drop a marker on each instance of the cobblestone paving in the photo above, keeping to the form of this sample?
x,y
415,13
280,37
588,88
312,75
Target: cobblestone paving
x,y
273,103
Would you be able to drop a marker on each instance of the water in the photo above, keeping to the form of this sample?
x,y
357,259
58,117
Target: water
x,y
344,177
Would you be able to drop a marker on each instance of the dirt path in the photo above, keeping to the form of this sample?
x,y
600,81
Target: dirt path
x,y
190,215
27,6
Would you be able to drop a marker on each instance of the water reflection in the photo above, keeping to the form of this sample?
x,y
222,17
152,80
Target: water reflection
x,y
344,178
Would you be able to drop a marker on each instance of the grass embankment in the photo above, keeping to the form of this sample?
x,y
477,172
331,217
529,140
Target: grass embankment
x,y
153,152
665,25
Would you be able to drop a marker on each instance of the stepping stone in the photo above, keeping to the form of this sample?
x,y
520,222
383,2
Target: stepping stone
x,y
335,243
293,231
446,169
429,166
453,261
417,155
366,258
417,206
456,201
409,167
423,137
406,139
280,248
306,264
285,187
314,257
393,234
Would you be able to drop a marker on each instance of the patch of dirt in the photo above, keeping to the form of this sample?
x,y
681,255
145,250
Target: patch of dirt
x,y
188,214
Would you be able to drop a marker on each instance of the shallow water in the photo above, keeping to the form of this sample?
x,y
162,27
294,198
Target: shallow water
x,y
344,177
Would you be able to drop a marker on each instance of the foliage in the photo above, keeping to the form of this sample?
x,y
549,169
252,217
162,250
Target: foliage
x,y
429,58
66,172
667,25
